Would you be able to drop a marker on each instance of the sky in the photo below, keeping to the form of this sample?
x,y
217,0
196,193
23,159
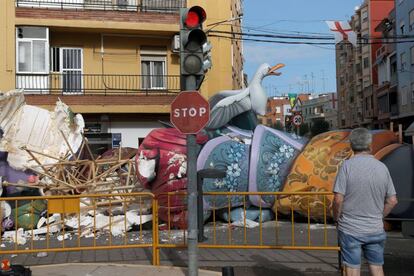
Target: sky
x,y
302,61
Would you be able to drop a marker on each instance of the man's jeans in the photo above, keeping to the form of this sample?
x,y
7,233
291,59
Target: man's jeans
x,y
372,245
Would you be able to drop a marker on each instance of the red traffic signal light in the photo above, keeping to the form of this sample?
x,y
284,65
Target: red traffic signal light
x,y
195,17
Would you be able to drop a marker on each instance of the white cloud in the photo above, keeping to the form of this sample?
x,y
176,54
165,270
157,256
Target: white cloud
x,y
258,54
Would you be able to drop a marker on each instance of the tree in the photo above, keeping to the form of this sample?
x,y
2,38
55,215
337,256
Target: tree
x,y
278,125
303,129
319,126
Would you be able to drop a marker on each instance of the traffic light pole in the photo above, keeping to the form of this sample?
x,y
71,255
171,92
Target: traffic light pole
x,y
194,50
192,205
189,84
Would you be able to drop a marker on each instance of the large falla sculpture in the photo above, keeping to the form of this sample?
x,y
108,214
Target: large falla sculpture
x,y
259,159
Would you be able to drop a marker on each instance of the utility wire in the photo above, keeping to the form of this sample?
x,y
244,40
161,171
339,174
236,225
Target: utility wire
x,y
321,35
239,36
378,39
273,36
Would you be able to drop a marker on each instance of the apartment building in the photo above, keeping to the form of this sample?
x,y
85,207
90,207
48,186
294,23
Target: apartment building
x,y
321,107
278,108
386,65
357,78
404,20
114,61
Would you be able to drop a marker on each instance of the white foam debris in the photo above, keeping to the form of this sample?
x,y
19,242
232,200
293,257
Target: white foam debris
x,y
41,254
136,219
249,223
64,237
18,236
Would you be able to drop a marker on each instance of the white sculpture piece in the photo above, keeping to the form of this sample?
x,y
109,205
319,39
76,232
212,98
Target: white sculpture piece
x,y
226,105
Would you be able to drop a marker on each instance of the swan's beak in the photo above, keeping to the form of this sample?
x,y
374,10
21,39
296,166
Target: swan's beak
x,y
272,71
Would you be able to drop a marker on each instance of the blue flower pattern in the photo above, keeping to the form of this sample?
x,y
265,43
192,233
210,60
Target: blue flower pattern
x,y
275,157
232,157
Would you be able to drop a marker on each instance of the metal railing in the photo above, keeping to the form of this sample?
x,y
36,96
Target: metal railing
x,y
74,223
95,84
169,6
221,234
81,217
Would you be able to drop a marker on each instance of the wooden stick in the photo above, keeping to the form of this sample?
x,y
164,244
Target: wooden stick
x,y
86,142
5,183
73,163
113,168
67,143
36,160
400,134
83,186
114,189
43,154
81,149
52,177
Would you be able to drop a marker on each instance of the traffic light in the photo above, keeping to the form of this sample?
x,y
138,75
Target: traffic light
x,y
195,57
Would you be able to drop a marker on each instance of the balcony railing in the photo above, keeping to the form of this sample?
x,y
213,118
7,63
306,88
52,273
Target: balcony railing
x,y
171,6
73,83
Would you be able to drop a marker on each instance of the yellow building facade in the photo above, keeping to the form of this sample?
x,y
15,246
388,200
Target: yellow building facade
x,y
114,61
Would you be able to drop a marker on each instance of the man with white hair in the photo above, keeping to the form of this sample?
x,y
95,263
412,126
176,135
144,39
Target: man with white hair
x,y
364,195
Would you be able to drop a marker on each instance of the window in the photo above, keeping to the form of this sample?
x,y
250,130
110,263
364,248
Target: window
x,y
412,92
412,55
32,49
366,62
404,95
403,62
364,16
153,71
277,109
411,20
402,27
55,59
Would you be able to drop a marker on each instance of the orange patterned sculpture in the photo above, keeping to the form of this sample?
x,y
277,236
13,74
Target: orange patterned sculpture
x,y
315,170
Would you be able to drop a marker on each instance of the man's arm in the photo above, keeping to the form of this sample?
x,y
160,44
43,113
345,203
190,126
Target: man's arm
x,y
390,197
390,203
337,205
339,190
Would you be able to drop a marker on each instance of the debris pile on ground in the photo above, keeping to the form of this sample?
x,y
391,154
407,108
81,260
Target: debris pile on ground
x,y
45,153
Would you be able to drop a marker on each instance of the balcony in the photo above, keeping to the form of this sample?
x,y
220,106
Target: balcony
x,y
73,83
168,6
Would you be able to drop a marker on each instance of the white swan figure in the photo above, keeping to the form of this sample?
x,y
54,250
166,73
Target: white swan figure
x,y
226,105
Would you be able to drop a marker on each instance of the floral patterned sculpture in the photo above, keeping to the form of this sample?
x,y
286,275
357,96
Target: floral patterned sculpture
x,y
315,169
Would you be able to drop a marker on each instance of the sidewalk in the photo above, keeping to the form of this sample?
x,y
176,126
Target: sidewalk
x,y
82,269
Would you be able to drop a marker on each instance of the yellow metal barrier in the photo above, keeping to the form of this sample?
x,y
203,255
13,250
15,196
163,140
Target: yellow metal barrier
x,y
284,233
93,219
222,234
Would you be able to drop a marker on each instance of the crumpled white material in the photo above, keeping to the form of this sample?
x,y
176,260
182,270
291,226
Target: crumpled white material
x,y
37,129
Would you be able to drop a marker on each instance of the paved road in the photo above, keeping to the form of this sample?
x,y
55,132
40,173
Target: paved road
x,y
399,254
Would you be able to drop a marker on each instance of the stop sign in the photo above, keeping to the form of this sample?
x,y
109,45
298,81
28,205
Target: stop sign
x,y
190,112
